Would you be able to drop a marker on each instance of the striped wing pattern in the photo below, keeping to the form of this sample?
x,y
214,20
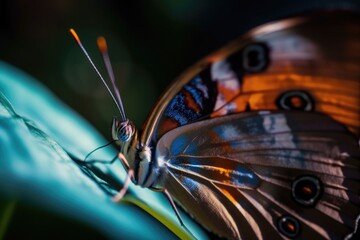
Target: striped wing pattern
x,y
239,175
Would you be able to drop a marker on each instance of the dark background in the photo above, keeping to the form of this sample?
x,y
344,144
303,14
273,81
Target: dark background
x,y
150,43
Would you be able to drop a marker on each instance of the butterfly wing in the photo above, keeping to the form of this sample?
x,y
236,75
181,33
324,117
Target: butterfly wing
x,y
265,175
293,176
308,63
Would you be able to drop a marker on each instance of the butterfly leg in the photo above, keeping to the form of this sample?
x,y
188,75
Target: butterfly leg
x,y
107,144
84,162
123,190
130,174
174,207
90,162
176,211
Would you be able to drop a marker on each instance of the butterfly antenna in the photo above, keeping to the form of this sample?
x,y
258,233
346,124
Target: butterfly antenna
x,y
102,45
77,39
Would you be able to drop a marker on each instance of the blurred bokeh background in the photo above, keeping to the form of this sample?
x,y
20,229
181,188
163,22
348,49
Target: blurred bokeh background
x,y
150,43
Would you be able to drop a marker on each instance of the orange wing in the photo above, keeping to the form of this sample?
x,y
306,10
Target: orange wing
x,y
309,63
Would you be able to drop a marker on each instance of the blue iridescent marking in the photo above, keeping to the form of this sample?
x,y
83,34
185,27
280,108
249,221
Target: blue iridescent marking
x,y
190,184
226,132
198,88
193,163
185,162
192,149
195,92
178,111
243,176
198,83
253,126
271,127
178,145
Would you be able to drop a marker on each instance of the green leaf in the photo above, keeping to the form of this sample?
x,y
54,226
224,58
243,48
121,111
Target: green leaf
x,y
37,132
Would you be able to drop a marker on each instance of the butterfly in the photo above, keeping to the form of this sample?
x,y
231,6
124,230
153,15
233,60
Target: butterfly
x,y
259,140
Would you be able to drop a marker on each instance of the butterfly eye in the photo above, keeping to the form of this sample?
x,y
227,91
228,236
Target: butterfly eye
x,y
289,226
255,57
306,190
122,131
295,100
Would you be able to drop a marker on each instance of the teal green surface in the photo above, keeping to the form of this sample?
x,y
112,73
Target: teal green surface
x,y
37,131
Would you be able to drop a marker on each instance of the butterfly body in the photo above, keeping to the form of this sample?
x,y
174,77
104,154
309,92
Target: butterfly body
x,y
260,139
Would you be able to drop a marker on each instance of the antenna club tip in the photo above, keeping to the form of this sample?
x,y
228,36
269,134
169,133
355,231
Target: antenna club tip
x,y
101,42
74,34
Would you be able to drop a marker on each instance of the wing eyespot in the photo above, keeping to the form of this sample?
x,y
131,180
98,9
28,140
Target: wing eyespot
x,y
288,226
306,190
295,100
255,57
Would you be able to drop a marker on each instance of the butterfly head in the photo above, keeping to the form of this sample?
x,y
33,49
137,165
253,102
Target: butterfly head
x,y
135,158
125,135
122,131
